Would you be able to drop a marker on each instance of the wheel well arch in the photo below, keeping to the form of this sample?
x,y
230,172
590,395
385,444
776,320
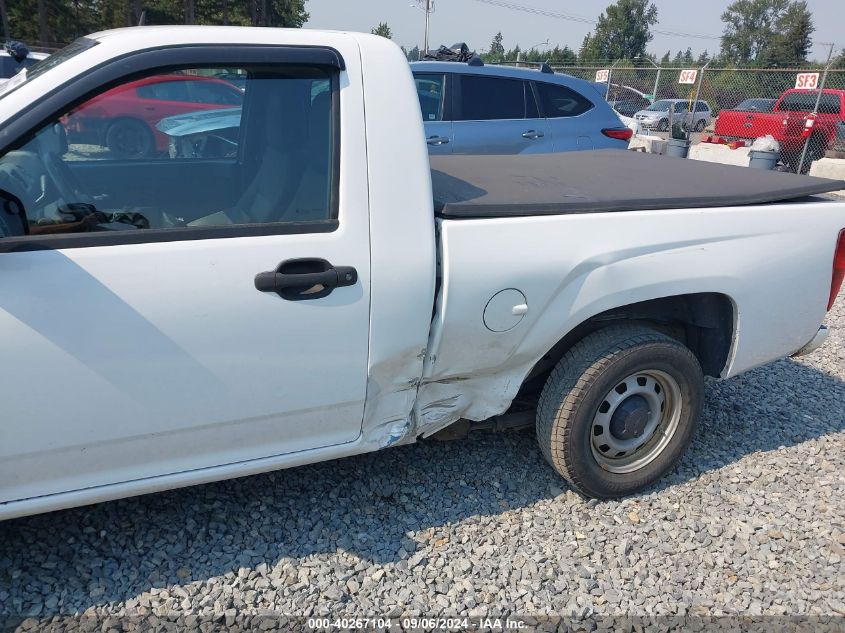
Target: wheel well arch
x,y
704,322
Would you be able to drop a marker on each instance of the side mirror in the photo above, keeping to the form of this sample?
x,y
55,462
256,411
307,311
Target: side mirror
x,y
13,220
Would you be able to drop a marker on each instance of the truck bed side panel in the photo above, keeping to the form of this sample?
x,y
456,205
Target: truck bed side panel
x,y
773,262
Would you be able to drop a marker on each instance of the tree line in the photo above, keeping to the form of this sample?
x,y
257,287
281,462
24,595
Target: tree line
x,y
756,33
52,23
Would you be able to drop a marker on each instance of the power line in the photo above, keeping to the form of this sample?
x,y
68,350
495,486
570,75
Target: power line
x,y
548,13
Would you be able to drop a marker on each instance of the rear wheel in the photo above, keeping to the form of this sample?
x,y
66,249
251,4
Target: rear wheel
x,y
619,410
128,138
663,125
699,127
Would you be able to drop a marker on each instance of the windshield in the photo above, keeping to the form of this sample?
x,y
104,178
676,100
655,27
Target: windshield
x,y
71,50
660,106
756,104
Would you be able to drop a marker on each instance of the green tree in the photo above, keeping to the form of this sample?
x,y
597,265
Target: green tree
x,y
622,31
664,61
767,32
793,35
497,48
383,30
56,22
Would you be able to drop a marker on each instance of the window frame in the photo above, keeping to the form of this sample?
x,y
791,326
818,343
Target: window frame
x,y
22,128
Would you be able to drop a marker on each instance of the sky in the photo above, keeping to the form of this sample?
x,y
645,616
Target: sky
x,y
474,22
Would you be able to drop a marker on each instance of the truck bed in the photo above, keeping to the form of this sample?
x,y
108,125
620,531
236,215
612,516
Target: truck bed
x,y
603,181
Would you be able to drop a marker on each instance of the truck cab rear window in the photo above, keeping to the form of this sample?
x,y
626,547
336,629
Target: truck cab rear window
x,y
806,102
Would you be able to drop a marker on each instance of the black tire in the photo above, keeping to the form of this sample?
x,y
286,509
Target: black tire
x,y
130,138
663,125
699,127
582,381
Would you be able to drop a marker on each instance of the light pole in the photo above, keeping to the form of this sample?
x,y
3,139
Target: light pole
x,y
656,79
609,77
533,47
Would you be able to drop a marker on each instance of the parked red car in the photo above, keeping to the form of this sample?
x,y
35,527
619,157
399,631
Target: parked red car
x,y
124,119
786,123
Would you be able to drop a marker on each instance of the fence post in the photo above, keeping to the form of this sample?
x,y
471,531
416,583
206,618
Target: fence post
x,y
656,84
815,112
697,94
609,77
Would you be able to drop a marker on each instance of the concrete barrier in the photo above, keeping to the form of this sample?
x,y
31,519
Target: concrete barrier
x,y
829,168
714,153
651,144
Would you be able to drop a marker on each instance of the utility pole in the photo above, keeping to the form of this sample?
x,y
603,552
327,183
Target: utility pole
x,y
428,7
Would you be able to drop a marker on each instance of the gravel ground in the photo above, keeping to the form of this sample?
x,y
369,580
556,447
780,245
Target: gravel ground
x,y
752,522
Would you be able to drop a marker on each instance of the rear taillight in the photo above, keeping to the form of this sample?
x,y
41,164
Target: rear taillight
x,y
838,269
620,133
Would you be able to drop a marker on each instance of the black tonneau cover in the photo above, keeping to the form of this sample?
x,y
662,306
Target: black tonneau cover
x,y
600,181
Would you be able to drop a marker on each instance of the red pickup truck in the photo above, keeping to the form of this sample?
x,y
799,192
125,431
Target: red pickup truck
x,y
786,123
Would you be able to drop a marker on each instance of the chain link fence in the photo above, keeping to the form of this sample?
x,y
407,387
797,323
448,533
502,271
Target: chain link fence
x,y
738,104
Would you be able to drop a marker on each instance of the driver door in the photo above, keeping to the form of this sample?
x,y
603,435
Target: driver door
x,y
150,327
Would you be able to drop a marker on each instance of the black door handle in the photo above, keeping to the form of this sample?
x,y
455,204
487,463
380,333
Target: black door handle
x,y
302,279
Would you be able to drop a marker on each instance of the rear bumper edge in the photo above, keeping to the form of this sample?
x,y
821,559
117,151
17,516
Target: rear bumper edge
x,y
816,342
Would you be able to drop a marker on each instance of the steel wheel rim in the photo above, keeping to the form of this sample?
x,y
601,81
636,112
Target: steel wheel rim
x,y
614,441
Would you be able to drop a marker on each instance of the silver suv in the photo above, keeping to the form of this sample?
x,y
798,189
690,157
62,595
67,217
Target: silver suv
x,y
656,116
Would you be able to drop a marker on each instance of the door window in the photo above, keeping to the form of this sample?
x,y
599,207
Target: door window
x,y
559,101
430,93
182,151
487,98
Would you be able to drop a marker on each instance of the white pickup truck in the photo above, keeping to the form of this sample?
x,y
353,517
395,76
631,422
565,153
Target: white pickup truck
x,y
303,284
